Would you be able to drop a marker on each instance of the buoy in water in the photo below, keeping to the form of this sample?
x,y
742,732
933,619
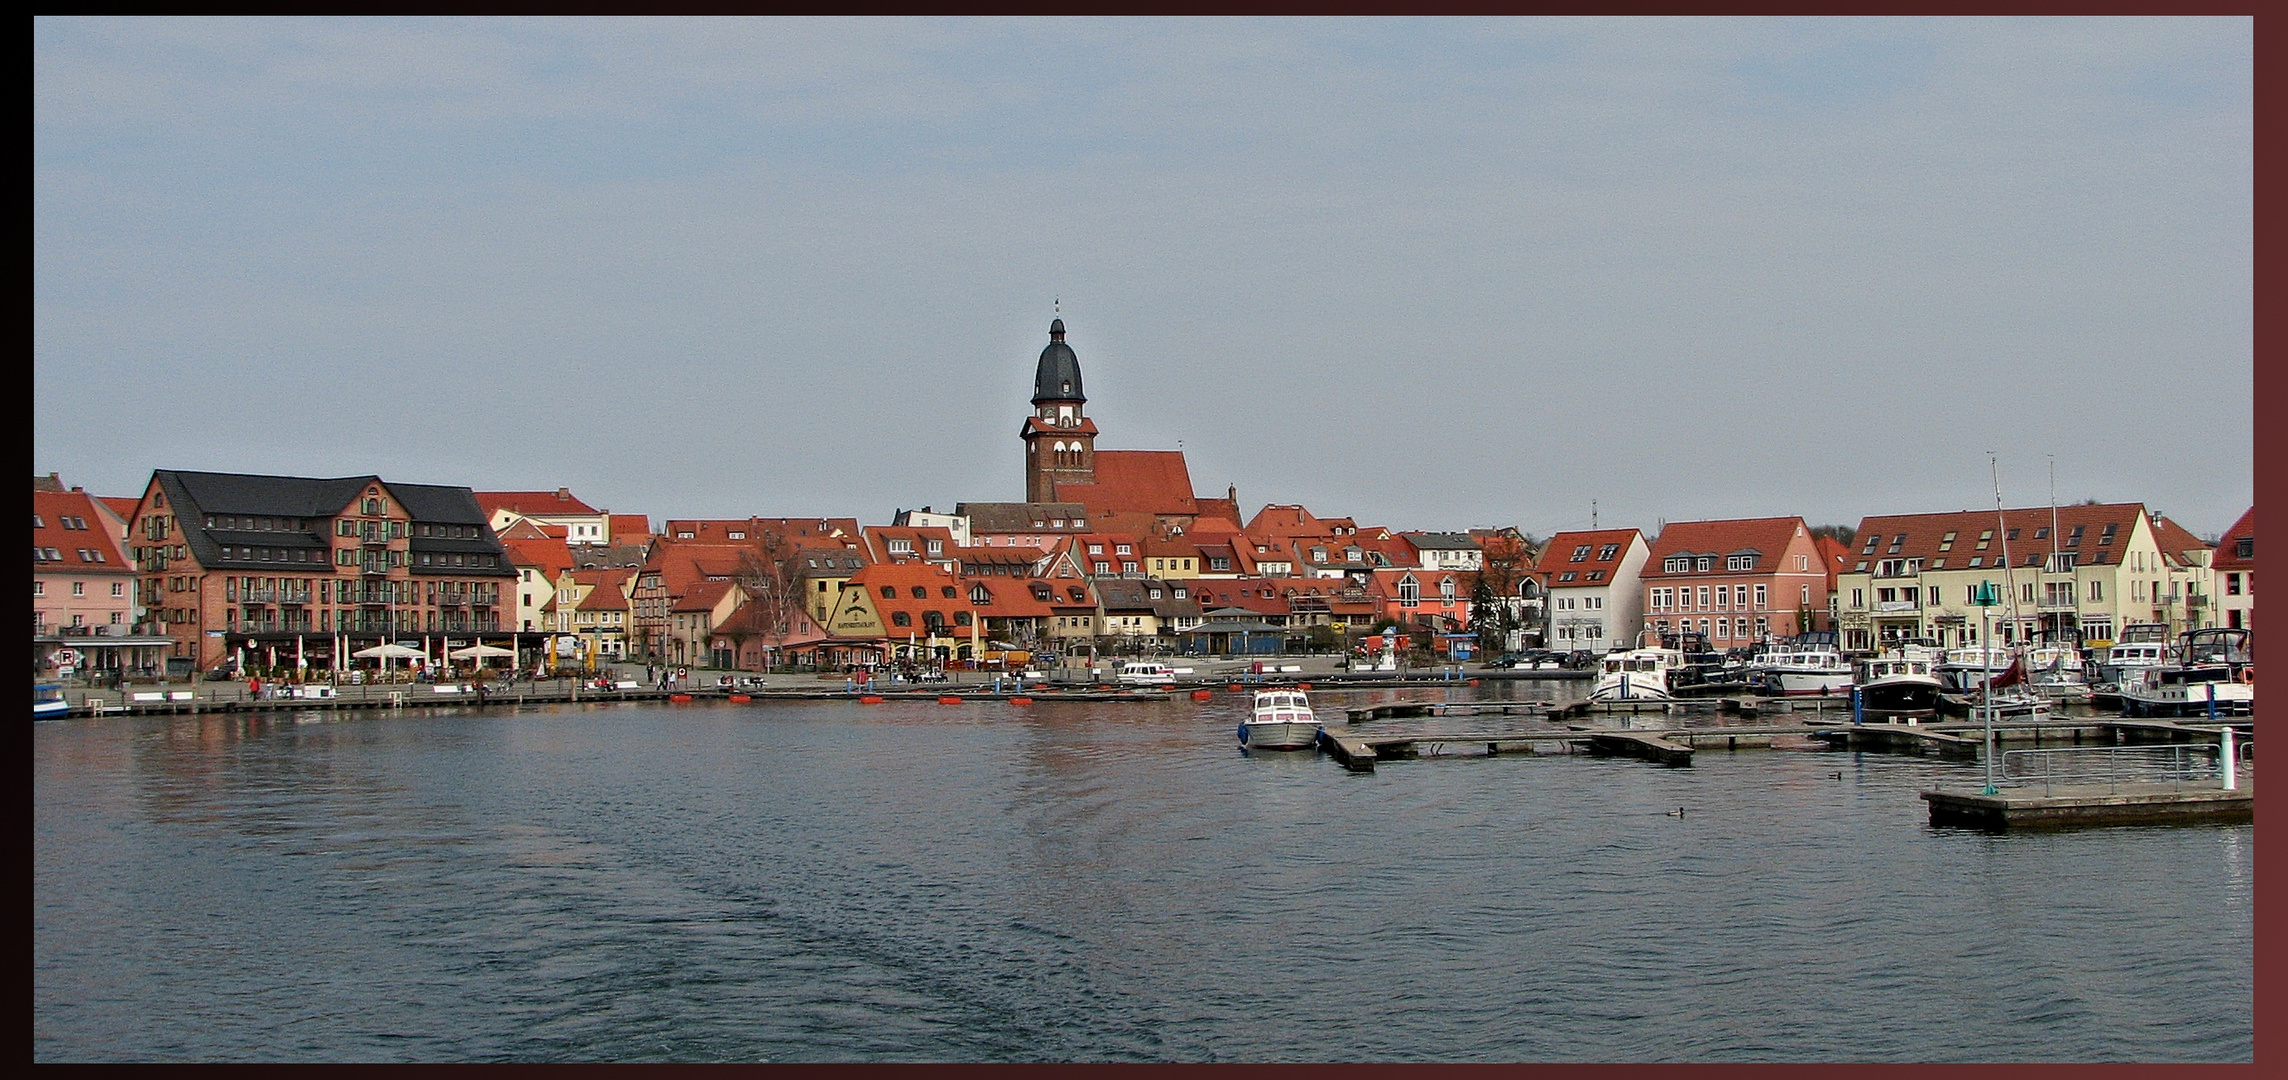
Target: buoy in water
x,y
870,699
1234,688
1302,686
740,699
949,699
680,699
1202,695
1020,701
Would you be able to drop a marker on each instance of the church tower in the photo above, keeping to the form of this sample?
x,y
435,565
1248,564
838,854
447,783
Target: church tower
x,y
1060,441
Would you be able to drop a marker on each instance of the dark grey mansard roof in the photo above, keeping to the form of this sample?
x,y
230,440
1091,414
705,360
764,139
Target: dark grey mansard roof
x,y
1058,377
196,494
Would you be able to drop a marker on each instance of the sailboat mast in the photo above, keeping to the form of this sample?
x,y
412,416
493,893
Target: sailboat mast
x,y
2001,525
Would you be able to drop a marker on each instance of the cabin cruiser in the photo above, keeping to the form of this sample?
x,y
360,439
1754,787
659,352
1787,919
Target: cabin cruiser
x,y
1636,675
1799,668
1282,720
1901,685
2215,672
2139,647
1145,673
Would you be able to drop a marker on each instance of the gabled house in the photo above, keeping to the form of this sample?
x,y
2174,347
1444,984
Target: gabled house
x,y
1737,582
1594,597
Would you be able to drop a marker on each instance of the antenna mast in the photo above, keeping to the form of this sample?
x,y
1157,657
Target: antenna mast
x,y
2009,581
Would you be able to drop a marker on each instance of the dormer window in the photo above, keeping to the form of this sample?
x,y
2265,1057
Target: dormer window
x,y
1606,553
1580,554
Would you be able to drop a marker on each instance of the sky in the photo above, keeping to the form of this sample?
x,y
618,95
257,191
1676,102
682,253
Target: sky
x,y
1433,274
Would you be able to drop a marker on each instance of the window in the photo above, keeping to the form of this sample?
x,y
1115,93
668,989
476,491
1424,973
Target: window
x,y
2244,548
2232,585
900,618
1606,553
889,592
1707,563
2097,590
1580,554
921,593
1739,562
79,588
1676,565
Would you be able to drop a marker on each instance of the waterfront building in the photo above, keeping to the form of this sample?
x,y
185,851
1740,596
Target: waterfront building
x,y
602,616
1595,598
2066,573
820,574
695,617
2235,571
83,587
294,571
1433,600
1737,582
538,555
582,524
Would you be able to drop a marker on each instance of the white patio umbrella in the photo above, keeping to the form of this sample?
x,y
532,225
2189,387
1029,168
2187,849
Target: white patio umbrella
x,y
480,651
388,650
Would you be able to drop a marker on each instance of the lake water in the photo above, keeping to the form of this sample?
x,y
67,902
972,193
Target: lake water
x,y
1065,881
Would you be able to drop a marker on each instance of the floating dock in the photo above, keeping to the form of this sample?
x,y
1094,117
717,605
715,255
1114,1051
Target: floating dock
x,y
2096,804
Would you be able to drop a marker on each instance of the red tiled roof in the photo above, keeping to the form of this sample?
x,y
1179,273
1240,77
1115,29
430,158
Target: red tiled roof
x,y
703,596
2174,539
1256,594
608,593
627,529
2228,548
1559,552
549,555
800,532
559,501
1151,481
122,505
51,507
1769,537
1919,536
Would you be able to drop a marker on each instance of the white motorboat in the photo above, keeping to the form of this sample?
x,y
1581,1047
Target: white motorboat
x,y
2126,662
1901,685
1636,675
1282,720
48,702
1145,673
1793,671
2215,672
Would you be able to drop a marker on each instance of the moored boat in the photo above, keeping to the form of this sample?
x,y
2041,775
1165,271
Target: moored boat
x,y
1282,720
1795,670
1636,675
48,702
2215,673
1145,673
1900,686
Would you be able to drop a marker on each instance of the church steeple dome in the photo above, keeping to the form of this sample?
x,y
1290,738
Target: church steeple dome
x,y
1058,377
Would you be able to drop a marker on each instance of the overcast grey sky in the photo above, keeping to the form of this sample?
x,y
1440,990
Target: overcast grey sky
x,y
1428,273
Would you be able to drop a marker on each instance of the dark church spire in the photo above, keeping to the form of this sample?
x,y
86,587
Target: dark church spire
x,y
1058,377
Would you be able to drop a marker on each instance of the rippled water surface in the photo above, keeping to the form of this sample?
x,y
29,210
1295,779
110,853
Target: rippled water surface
x,y
1067,881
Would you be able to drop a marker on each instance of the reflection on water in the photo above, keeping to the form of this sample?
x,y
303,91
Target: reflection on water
x,y
1068,881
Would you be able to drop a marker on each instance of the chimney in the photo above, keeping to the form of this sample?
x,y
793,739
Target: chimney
x,y
563,494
